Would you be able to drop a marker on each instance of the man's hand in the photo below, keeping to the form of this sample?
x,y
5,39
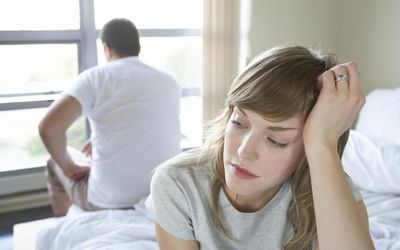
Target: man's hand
x,y
87,149
77,173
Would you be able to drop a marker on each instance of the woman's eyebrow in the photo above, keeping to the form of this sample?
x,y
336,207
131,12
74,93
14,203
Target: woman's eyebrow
x,y
241,111
272,128
279,129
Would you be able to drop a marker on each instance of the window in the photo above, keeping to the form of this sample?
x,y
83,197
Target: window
x,y
152,14
25,150
31,74
41,58
34,68
36,15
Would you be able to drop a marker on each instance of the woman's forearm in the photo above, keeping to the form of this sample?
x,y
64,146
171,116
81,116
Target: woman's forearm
x,y
340,223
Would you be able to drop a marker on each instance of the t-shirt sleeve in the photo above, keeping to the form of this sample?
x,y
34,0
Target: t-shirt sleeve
x,y
354,189
169,205
84,91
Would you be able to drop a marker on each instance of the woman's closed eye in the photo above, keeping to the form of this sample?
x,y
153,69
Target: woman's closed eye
x,y
237,124
277,144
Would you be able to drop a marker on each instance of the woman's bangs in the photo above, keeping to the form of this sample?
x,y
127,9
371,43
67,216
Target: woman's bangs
x,y
277,99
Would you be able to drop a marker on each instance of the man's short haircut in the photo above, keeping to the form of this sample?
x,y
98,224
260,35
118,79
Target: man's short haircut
x,y
121,35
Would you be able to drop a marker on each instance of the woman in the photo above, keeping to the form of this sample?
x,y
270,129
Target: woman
x,y
269,175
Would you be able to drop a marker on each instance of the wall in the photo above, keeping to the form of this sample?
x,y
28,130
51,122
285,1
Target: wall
x,y
307,22
363,31
370,35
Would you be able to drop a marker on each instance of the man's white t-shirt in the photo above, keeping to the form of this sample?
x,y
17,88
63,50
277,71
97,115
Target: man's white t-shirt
x,y
133,110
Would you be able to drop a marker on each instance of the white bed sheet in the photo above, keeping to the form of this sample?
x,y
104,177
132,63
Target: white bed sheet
x,y
384,219
374,166
108,229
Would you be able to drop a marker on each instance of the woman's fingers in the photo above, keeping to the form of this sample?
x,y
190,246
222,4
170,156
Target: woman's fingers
x,y
327,81
355,80
342,79
340,98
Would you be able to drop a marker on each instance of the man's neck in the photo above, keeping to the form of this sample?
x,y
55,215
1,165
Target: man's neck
x,y
114,58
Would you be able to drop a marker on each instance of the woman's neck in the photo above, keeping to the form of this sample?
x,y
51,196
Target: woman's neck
x,y
252,203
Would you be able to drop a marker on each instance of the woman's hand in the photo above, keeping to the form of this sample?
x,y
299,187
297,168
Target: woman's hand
x,y
337,105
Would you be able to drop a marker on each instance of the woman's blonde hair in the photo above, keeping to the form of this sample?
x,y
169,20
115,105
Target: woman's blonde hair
x,y
278,84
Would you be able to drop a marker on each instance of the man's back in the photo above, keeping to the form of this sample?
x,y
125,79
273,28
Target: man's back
x,y
133,111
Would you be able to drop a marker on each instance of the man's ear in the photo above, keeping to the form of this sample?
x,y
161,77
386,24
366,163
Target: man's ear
x,y
107,51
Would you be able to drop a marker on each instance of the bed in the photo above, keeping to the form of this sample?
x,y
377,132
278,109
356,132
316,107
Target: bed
x,y
371,159
109,229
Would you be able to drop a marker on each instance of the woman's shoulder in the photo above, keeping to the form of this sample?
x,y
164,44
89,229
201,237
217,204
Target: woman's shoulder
x,y
188,166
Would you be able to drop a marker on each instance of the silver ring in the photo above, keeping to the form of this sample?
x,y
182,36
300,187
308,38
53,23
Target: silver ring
x,y
342,78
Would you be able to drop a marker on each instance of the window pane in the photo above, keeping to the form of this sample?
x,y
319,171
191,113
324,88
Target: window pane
x,y
182,57
37,67
20,144
152,13
39,15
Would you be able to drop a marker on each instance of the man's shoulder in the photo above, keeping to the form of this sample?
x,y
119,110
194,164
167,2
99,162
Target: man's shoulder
x,y
160,72
135,63
155,70
95,70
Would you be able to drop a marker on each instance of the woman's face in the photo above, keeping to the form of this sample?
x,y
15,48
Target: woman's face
x,y
259,155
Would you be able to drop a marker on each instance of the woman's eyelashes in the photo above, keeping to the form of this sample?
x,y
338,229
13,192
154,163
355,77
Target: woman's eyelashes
x,y
237,123
274,143
277,144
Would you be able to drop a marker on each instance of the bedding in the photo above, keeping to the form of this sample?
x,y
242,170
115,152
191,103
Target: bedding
x,y
373,164
107,229
372,160
374,167
380,116
384,219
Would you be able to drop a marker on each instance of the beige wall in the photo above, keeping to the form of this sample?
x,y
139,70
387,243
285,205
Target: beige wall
x,y
365,31
307,22
370,35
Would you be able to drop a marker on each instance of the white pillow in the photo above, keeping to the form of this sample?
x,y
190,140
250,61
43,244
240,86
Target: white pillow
x,y
372,164
380,116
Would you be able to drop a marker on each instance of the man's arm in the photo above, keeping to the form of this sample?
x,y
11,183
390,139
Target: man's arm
x,y
52,130
166,241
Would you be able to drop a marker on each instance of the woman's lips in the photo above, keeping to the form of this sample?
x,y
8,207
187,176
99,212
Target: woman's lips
x,y
242,173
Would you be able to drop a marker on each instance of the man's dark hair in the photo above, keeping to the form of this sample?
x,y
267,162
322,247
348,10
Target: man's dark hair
x,y
121,35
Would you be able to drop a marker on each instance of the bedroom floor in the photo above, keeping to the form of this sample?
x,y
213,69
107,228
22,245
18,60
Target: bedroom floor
x,y
8,220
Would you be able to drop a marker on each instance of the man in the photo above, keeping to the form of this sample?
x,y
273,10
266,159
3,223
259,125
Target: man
x,y
133,110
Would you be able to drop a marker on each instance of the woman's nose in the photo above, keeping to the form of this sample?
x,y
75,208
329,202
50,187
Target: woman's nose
x,y
248,148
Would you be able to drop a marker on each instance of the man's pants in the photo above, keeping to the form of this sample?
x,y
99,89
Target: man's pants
x,y
64,192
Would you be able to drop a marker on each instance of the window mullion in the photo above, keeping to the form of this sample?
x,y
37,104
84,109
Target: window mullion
x,y
87,46
169,32
36,36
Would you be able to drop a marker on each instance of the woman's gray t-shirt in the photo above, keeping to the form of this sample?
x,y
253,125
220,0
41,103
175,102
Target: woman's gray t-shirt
x,y
180,203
